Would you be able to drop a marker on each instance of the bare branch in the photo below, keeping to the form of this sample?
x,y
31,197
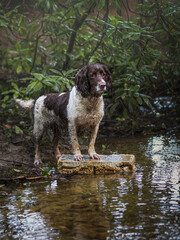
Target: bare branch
x,y
77,24
104,27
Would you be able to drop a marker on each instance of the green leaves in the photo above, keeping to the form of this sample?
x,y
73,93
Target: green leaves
x,y
46,171
19,69
38,76
34,87
100,4
143,51
18,130
43,83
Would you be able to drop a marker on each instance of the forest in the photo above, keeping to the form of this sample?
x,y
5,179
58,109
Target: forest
x,y
43,43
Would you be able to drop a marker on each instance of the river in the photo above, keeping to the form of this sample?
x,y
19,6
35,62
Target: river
x,y
142,205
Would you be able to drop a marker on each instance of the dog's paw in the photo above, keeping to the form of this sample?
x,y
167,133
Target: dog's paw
x,y
58,156
94,156
37,162
78,157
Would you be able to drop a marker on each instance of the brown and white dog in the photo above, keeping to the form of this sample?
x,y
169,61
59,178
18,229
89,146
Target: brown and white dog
x,y
80,109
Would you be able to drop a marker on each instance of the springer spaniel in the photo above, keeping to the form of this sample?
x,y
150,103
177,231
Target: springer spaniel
x,y
80,109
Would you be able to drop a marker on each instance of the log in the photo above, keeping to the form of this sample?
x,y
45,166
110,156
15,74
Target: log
x,y
108,164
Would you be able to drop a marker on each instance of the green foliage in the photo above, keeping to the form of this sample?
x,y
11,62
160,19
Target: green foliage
x,y
43,83
144,51
17,170
46,171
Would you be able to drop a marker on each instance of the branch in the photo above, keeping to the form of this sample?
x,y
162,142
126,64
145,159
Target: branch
x,y
125,10
36,46
15,34
104,28
35,52
77,24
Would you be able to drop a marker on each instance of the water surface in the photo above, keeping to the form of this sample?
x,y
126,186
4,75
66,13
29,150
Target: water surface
x,y
143,205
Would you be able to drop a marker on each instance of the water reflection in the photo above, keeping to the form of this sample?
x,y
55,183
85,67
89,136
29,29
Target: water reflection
x,y
141,206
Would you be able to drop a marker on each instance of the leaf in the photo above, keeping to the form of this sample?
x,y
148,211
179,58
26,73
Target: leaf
x,y
71,71
18,46
139,100
15,86
55,71
18,130
7,126
38,76
17,170
130,107
47,4
5,98
45,172
27,68
34,87
38,86
13,52
48,83
3,105
19,69
30,87
103,146
117,5
146,100
100,4
125,114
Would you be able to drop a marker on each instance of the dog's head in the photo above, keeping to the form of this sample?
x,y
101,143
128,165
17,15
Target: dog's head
x,y
93,79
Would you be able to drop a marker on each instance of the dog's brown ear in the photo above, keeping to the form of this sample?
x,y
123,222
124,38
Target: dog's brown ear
x,y
82,83
108,77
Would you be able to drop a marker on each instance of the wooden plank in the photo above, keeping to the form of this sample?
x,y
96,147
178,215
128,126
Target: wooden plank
x,y
108,164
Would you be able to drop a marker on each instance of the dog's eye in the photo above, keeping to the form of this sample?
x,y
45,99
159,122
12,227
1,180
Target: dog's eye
x,y
92,74
103,74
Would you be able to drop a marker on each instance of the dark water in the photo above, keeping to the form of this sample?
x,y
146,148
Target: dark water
x,y
144,205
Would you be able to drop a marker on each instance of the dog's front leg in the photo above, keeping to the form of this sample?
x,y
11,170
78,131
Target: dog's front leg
x,y
74,142
37,160
91,151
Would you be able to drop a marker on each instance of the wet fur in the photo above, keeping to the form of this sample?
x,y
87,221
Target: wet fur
x,y
81,108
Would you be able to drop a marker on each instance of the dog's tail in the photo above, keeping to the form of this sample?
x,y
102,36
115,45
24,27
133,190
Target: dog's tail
x,y
26,104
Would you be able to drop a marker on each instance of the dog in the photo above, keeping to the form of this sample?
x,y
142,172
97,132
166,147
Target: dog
x,y
80,109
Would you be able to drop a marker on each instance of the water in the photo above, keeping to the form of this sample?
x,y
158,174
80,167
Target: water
x,y
143,205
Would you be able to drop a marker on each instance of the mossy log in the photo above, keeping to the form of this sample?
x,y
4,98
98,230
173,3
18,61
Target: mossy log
x,y
108,164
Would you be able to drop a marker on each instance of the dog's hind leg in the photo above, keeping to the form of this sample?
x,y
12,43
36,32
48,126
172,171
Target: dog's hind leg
x,y
56,143
37,134
56,146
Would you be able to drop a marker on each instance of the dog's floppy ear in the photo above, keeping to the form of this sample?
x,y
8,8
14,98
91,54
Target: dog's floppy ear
x,y
108,77
81,81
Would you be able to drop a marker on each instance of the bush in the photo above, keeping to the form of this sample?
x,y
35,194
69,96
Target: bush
x,y
47,45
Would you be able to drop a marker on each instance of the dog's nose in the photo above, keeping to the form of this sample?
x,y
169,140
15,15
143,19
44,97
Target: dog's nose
x,y
102,85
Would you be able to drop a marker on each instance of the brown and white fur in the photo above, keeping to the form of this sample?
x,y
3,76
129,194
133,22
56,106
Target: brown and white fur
x,y
80,109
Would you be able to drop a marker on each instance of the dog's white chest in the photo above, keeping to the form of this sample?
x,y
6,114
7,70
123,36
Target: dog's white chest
x,y
84,111
89,116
